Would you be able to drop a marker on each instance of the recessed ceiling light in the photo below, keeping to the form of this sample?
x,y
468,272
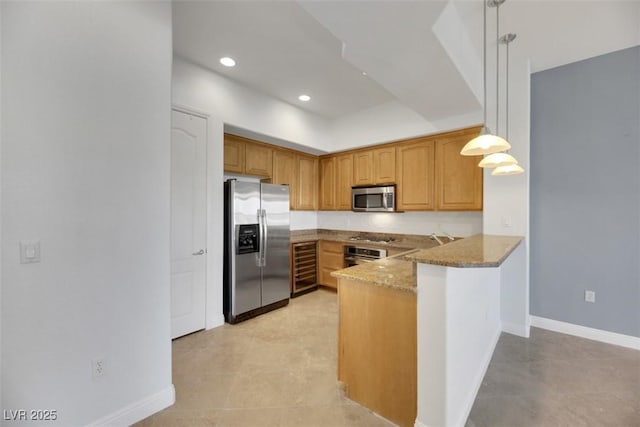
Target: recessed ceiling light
x,y
364,73
304,98
228,62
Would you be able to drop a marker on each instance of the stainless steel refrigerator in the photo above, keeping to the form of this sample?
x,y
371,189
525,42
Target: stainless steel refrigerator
x,y
256,249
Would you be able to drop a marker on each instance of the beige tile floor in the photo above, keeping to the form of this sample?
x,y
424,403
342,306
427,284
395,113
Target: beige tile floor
x,y
280,370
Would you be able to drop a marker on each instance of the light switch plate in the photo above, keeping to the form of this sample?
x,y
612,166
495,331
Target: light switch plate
x,y
29,251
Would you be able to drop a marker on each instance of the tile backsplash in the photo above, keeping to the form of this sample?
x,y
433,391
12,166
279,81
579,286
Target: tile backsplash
x,y
460,224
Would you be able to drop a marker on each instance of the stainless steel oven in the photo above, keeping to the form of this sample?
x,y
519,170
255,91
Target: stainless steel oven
x,y
374,199
354,255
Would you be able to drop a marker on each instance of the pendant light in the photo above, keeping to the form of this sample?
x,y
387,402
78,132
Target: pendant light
x,y
485,143
512,168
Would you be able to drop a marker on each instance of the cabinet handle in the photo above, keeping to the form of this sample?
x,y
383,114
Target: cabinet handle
x,y
200,252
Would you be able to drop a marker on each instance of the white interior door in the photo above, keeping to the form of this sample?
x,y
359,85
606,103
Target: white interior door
x,y
188,223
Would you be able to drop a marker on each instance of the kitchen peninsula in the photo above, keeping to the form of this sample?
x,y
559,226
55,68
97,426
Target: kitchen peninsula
x,y
417,330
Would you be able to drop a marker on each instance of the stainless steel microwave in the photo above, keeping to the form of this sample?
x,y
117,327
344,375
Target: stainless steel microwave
x,y
373,199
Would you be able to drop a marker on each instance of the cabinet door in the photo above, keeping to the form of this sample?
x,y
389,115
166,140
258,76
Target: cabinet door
x,y
307,185
284,172
328,183
344,181
363,167
258,160
415,180
233,154
458,178
384,165
330,258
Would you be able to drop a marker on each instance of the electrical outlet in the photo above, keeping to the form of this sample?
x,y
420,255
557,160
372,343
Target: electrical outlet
x,y
506,222
98,367
589,296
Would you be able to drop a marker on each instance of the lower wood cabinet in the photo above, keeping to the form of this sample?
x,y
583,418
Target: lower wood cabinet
x,y
330,258
377,349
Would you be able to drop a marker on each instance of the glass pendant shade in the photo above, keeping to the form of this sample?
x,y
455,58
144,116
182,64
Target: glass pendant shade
x,y
497,159
485,143
507,170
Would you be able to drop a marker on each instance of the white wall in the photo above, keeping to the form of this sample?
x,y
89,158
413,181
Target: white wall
x,y
389,122
461,224
1,133
242,107
85,170
458,328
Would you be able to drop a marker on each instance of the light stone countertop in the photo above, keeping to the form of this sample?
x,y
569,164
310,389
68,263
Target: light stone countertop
x,y
392,272
403,242
399,272
480,250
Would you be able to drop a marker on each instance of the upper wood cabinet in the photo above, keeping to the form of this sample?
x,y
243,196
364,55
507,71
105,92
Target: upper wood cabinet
x,y
307,186
233,153
328,183
258,160
415,164
384,165
245,156
458,178
284,172
374,166
344,181
363,167
336,180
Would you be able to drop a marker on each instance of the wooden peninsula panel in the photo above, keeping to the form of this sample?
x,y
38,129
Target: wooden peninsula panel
x,y
377,350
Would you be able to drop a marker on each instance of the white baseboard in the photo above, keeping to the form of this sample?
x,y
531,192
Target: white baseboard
x,y
586,332
477,381
139,410
516,329
419,424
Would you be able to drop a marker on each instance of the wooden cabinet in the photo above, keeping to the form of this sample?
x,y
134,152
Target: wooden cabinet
x,y
377,349
458,178
330,258
328,183
374,166
384,165
415,169
258,160
336,179
344,181
307,182
245,156
284,172
233,154
363,167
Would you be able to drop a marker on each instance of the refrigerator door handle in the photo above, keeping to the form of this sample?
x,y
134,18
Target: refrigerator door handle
x,y
265,227
260,237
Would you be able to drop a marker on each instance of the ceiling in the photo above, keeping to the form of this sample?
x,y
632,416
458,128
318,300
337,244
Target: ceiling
x,y
423,54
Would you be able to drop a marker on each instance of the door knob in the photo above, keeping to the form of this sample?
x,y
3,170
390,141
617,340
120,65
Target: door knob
x,y
200,252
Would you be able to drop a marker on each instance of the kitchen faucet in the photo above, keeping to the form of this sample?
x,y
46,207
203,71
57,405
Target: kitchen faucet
x,y
434,237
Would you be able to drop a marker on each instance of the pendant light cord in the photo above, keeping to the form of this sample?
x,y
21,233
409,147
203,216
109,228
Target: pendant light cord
x,y
484,63
507,81
497,68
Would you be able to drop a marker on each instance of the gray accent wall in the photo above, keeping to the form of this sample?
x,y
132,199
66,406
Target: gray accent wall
x,y
585,192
